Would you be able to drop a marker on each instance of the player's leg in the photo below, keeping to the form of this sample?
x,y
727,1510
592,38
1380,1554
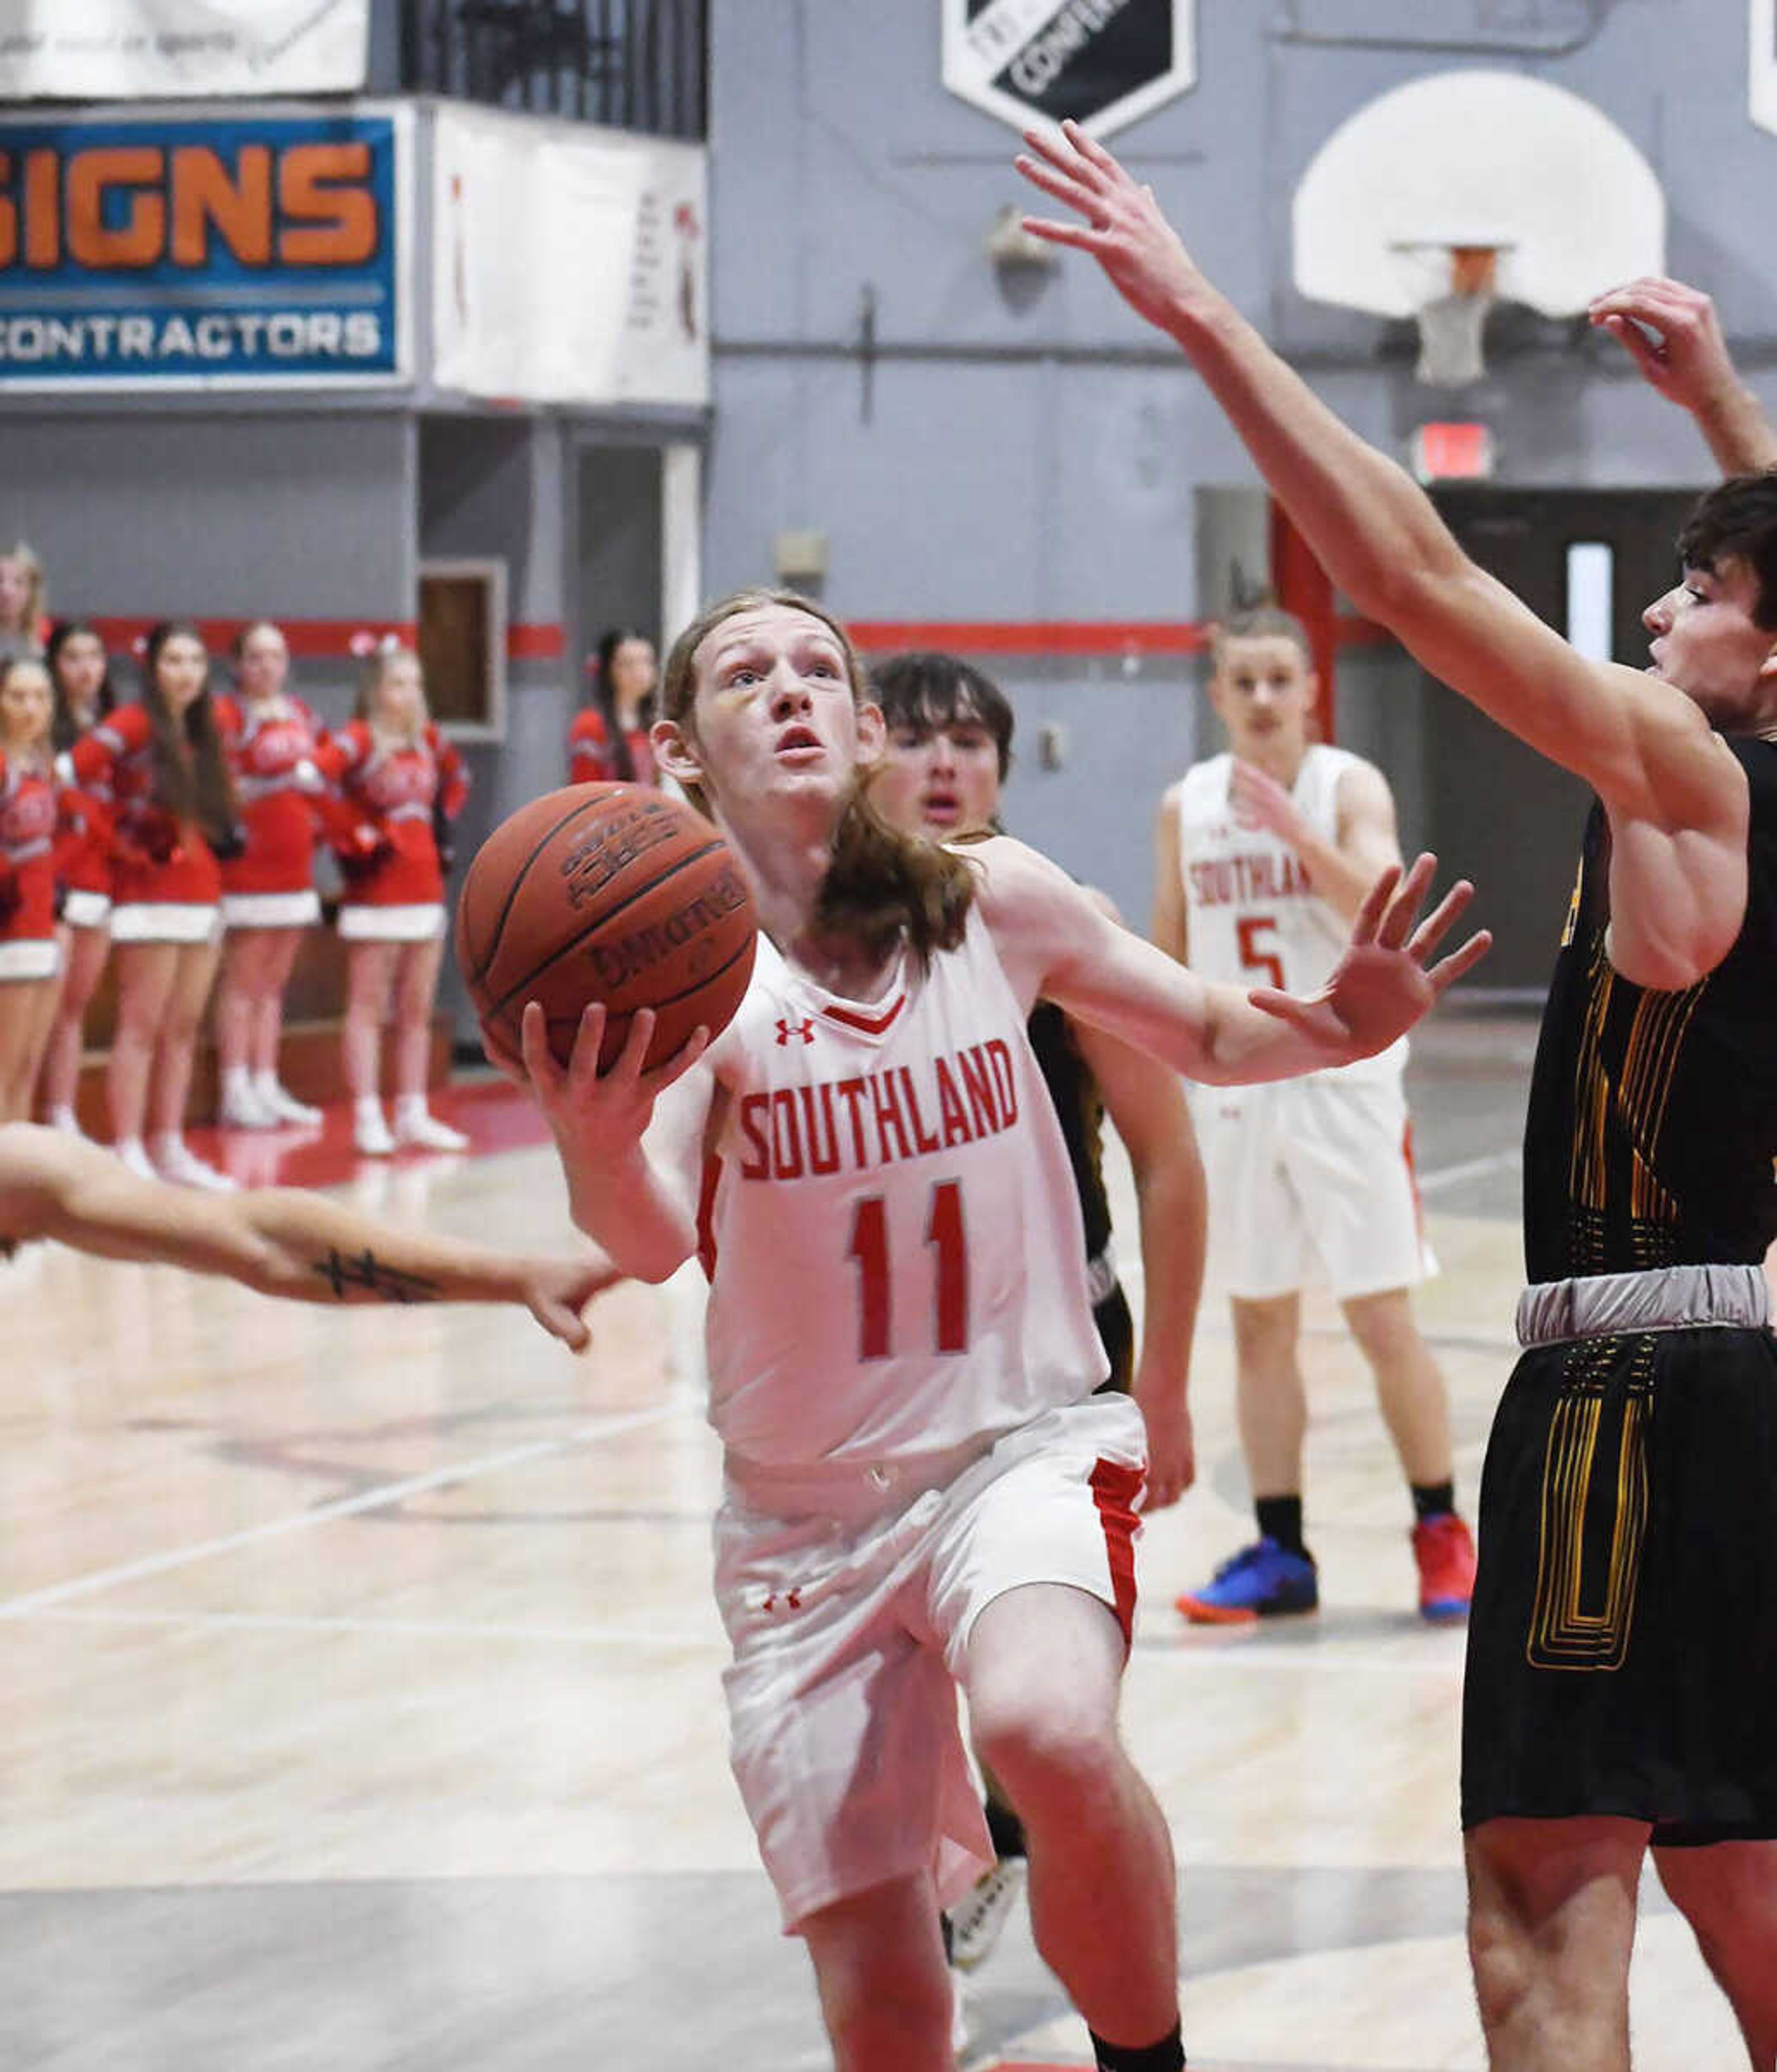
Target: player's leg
x,y
238,991
879,1966
265,1035
416,989
1275,1573
370,966
1043,1673
1552,1917
1728,1893
144,984
45,996
17,1020
193,977
1414,1399
87,951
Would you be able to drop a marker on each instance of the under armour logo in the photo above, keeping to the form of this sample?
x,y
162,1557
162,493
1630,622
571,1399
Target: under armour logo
x,y
787,1029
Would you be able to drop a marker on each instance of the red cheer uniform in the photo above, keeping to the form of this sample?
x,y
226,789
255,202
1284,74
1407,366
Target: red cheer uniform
x,y
591,758
387,789
30,824
166,881
277,780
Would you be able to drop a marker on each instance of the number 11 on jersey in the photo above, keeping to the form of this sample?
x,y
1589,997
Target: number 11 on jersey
x,y
947,1235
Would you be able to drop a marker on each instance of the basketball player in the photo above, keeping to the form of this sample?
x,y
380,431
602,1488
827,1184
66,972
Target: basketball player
x,y
1262,857
920,1486
278,1240
950,734
1623,1643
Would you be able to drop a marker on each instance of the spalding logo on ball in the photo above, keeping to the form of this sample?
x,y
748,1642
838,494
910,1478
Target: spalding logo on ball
x,y
608,892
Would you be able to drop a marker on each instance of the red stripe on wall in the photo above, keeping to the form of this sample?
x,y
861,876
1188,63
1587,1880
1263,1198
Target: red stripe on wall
x,y
1069,636
1115,1485
322,638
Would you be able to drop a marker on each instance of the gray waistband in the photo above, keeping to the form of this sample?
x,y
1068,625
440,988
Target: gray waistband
x,y
1665,1298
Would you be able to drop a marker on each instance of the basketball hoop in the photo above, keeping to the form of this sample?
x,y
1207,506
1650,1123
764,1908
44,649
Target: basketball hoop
x,y
1453,317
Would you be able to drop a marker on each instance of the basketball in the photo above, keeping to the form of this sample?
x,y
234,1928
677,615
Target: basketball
x,y
608,892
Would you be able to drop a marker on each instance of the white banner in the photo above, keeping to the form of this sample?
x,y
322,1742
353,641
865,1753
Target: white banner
x,y
569,263
131,50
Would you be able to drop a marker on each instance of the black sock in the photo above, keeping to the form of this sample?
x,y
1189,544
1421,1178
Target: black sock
x,y
1006,1828
1432,1499
1280,1519
1167,2055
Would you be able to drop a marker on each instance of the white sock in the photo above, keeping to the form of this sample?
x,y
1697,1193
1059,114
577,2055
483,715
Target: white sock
x,y
409,1108
64,1118
237,1080
369,1108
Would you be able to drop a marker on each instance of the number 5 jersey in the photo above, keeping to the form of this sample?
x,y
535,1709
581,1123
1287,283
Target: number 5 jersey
x,y
890,1221
1253,917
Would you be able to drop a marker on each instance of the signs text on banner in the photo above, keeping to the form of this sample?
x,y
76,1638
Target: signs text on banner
x,y
150,252
139,50
1102,62
569,263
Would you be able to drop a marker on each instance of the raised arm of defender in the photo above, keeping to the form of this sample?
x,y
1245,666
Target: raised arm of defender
x,y
1677,797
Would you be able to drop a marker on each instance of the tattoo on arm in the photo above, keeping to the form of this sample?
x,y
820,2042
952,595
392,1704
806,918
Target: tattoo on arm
x,y
364,1270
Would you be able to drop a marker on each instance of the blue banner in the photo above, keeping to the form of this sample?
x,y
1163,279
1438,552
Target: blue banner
x,y
235,250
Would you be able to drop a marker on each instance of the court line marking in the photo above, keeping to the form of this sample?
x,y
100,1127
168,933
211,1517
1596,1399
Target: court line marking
x,y
1440,1177
589,1434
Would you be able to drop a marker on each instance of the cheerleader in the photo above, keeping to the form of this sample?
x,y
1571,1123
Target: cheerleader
x,y
163,763
30,955
398,780
268,891
79,674
24,624
608,740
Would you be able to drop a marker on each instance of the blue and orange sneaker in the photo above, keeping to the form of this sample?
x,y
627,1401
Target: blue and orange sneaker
x,y
1259,1582
1446,1554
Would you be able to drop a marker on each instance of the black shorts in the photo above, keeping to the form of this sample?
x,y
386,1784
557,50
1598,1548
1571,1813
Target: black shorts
x,y
1622,1641
1116,1332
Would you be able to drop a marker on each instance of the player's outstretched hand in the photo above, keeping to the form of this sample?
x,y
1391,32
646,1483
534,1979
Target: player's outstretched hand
x,y
558,1291
1260,801
1122,228
603,1112
1382,984
1672,333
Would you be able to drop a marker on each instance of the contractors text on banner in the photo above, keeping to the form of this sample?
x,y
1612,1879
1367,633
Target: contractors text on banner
x,y
143,50
569,263
236,251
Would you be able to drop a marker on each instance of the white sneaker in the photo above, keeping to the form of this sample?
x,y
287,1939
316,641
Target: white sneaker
x,y
175,1161
423,1131
370,1135
283,1106
977,1920
242,1108
133,1156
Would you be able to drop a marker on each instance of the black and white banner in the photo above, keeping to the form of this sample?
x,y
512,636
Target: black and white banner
x,y
133,50
1102,62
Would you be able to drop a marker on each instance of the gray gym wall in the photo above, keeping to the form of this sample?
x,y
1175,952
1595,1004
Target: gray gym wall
x,y
1007,458
1038,457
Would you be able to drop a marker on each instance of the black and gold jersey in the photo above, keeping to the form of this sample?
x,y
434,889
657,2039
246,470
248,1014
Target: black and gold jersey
x,y
1652,1125
1079,1109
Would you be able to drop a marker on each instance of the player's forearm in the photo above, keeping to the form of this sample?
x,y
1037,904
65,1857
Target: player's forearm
x,y
632,1210
1170,1193
1372,528
309,1249
1739,434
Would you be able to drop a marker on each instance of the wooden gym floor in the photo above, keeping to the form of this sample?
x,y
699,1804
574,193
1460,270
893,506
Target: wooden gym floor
x,y
361,1705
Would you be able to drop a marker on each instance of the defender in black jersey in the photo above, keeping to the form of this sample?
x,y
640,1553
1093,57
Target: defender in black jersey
x,y
950,747
1622,1663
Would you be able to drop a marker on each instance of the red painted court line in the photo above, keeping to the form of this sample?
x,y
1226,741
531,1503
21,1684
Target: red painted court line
x,y
495,1117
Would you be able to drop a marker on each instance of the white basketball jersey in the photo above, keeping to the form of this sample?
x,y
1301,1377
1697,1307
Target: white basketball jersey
x,y
1253,918
891,1225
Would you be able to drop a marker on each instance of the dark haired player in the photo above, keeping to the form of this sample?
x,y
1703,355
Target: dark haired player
x,y
1623,1643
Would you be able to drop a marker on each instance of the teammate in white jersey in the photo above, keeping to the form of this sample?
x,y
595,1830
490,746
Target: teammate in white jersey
x,y
920,1490
1261,855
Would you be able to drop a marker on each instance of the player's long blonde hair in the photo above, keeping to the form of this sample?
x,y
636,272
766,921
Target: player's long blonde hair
x,y
881,886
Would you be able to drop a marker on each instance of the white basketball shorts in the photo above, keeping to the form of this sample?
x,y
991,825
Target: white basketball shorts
x,y
849,1639
1316,1169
